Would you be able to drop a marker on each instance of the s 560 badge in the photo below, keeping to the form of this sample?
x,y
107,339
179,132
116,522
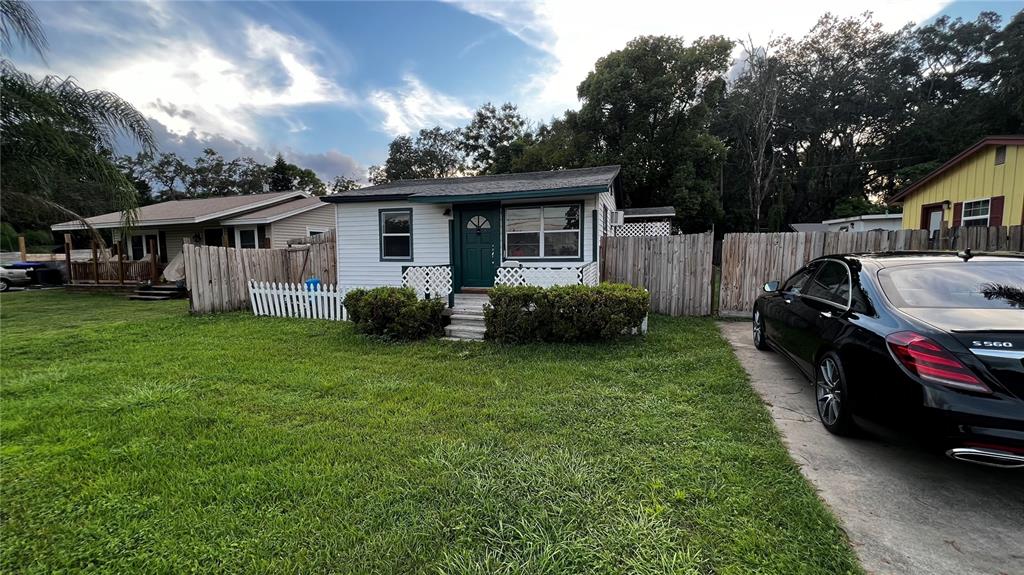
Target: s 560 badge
x,y
977,343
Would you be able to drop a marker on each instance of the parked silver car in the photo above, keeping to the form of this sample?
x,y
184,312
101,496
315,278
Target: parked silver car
x,y
14,276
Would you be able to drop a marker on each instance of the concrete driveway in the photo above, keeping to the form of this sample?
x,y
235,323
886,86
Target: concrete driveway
x,y
906,511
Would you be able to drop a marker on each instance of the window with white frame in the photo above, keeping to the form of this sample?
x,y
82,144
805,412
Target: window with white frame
x,y
975,213
396,234
543,232
246,238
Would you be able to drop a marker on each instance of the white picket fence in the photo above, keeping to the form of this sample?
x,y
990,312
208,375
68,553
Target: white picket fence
x,y
296,300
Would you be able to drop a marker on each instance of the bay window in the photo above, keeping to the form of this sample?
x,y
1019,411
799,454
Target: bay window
x,y
543,232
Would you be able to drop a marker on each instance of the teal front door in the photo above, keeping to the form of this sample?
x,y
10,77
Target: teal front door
x,y
481,252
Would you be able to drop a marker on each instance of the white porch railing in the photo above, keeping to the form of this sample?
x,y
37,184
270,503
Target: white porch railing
x,y
586,274
296,300
644,229
433,280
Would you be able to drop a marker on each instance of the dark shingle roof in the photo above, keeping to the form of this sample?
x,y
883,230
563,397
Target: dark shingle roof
x,y
649,212
476,185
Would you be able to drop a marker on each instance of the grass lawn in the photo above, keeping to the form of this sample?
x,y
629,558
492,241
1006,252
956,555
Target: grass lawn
x,y
135,438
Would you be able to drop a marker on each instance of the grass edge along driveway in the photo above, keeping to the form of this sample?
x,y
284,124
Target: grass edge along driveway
x,y
137,438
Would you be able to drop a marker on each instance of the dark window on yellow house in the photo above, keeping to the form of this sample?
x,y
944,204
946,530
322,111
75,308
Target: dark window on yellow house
x,y
1000,155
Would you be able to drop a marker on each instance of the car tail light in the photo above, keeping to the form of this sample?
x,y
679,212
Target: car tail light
x,y
932,362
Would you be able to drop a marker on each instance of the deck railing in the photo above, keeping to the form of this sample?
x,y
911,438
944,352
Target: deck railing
x,y
428,281
586,274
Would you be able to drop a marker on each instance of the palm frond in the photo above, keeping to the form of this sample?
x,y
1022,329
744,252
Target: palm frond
x,y
18,21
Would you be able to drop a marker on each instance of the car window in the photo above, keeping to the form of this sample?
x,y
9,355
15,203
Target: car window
x,y
831,283
962,285
797,281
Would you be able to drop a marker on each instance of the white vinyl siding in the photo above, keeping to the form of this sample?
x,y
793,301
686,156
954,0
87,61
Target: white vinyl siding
x,y
320,218
605,200
175,236
358,242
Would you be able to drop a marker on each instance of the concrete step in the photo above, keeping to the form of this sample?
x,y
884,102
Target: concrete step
x,y
164,287
465,331
468,324
471,302
473,311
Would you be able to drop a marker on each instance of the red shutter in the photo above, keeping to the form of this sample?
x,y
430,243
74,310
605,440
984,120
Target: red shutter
x,y
958,212
995,210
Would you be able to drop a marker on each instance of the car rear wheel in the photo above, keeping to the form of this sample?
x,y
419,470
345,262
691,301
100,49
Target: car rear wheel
x,y
4,285
758,329
832,396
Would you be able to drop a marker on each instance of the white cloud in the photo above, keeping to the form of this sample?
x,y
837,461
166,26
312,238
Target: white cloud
x,y
416,106
175,73
190,145
575,34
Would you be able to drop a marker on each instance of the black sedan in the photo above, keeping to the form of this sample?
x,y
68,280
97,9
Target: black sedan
x,y
925,343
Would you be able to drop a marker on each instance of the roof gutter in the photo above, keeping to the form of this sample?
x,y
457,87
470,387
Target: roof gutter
x,y
471,198
341,199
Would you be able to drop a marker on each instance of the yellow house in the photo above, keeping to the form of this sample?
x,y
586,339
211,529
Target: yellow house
x,y
981,186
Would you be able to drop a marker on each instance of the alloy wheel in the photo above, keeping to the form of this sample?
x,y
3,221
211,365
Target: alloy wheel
x,y
828,392
757,328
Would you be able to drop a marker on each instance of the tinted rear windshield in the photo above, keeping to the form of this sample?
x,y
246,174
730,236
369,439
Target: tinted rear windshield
x,y
990,285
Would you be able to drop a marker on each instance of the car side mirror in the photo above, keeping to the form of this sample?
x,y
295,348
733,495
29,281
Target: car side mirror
x,y
771,286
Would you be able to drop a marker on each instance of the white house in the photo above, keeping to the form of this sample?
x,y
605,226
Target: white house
x,y
464,235
865,223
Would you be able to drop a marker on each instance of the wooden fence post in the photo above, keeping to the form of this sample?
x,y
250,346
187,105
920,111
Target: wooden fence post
x,y
120,262
152,261
95,263
67,257
21,248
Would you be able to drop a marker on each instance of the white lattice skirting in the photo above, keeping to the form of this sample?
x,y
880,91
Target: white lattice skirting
x,y
547,277
433,280
644,229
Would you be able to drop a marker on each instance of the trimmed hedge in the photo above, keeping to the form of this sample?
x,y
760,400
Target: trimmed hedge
x,y
395,313
564,313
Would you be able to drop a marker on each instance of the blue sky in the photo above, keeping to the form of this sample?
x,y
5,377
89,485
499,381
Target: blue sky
x,y
329,84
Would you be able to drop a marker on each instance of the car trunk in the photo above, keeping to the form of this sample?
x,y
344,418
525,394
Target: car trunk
x,y
994,337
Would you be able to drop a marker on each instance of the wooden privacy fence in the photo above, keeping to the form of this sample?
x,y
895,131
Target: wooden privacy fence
x,y
676,270
750,260
296,300
218,278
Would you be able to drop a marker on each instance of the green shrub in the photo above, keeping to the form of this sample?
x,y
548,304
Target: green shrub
x,y
420,320
565,313
8,238
512,314
394,313
39,239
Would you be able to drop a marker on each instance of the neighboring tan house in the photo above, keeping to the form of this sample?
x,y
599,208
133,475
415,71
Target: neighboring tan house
x,y
981,186
256,220
282,222
449,235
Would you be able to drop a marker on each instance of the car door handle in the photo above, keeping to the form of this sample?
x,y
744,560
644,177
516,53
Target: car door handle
x,y
827,314
787,300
